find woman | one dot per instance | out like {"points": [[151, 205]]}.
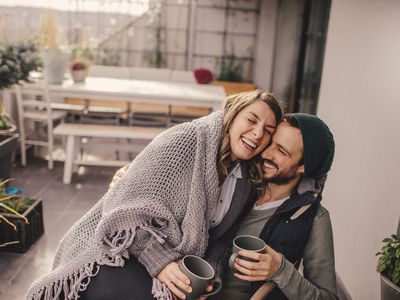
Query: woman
{"points": [[166, 202]]}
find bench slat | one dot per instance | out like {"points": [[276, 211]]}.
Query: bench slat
{"points": [[109, 131]]}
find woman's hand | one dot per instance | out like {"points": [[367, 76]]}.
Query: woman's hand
{"points": [[263, 269], [173, 278], [118, 175]]}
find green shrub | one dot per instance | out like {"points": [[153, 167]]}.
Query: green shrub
{"points": [[389, 259]]}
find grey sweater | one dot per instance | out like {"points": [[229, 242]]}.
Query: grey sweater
{"points": [[158, 212], [319, 280]]}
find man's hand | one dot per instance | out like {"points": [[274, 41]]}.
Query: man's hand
{"points": [[264, 268], [208, 290], [118, 175], [173, 278]]}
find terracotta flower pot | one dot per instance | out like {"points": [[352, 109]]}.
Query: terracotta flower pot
{"points": [[79, 75]]}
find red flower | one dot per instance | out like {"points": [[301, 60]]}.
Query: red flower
{"points": [[78, 66], [203, 75]]}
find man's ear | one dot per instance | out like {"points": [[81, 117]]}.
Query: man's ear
{"points": [[300, 170]]}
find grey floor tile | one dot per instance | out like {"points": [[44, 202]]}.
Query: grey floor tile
{"points": [[63, 205]]}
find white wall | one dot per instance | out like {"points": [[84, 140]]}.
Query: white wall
{"points": [[265, 45], [360, 100]]}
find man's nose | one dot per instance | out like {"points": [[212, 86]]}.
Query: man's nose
{"points": [[267, 153]]}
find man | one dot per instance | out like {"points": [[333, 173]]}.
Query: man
{"points": [[287, 215]]}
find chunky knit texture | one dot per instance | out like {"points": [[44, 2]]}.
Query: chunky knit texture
{"points": [[157, 211]]}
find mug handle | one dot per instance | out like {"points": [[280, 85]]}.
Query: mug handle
{"points": [[217, 286], [232, 260]]}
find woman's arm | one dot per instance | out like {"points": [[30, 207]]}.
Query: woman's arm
{"points": [[117, 176]]}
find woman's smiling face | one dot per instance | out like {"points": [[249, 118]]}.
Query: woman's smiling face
{"points": [[251, 130]]}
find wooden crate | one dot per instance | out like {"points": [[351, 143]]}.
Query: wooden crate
{"points": [[26, 234]]}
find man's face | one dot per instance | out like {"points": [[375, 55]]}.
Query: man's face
{"points": [[281, 159]]}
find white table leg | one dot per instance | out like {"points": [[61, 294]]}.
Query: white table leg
{"points": [[69, 159]]}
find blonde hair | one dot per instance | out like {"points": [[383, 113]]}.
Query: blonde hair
{"points": [[232, 106]]}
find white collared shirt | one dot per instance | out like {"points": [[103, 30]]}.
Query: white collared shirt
{"points": [[225, 196]]}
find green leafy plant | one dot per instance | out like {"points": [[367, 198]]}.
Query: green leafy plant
{"points": [[14, 205], [389, 259], [231, 69], [80, 51], [17, 60]]}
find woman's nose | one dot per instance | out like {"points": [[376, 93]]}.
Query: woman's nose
{"points": [[258, 131]]}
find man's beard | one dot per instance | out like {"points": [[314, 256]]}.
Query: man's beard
{"points": [[282, 178]]}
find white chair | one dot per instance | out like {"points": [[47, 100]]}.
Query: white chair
{"points": [[34, 107]]}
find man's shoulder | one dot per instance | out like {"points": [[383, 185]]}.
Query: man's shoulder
{"points": [[322, 213]]}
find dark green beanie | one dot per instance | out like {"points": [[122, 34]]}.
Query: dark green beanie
{"points": [[318, 143]]}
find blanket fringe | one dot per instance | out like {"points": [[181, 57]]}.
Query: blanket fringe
{"points": [[118, 244], [160, 290], [158, 235], [70, 286]]}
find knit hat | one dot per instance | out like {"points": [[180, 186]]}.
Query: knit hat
{"points": [[318, 144]]}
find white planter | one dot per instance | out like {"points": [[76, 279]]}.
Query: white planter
{"points": [[79, 75], [54, 66]]}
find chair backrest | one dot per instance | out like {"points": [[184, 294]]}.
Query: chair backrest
{"points": [[35, 96], [110, 71], [32, 99], [182, 76], [151, 74]]}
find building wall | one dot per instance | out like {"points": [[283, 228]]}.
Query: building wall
{"points": [[359, 99], [265, 44], [278, 77]]}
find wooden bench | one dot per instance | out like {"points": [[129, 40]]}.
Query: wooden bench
{"points": [[74, 133]]}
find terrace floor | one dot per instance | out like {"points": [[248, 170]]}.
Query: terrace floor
{"points": [[62, 206]]}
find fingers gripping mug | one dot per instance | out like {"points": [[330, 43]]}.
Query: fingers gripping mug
{"points": [[248, 243], [201, 274]]}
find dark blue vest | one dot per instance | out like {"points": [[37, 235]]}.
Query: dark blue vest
{"points": [[287, 236]]}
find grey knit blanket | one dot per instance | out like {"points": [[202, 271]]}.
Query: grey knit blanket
{"points": [[157, 211]]}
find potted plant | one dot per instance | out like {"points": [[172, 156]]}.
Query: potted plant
{"points": [[230, 76], [17, 60], [21, 221], [389, 267], [79, 68], [55, 60]]}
